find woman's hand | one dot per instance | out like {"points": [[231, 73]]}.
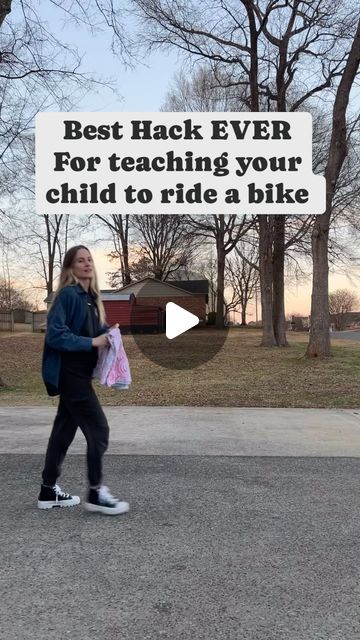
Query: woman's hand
{"points": [[100, 341], [115, 326]]}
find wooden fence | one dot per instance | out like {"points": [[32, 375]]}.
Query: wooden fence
{"points": [[6, 321], [39, 321], [9, 321]]}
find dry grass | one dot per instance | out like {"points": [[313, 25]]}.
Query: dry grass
{"points": [[242, 374]]}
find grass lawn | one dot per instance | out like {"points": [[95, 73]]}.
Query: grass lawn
{"points": [[242, 374]]}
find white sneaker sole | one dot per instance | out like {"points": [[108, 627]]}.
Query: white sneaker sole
{"points": [[121, 507], [49, 504]]}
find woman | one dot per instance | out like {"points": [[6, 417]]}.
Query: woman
{"points": [[75, 329]]}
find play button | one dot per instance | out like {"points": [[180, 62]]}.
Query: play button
{"points": [[156, 321], [178, 320]]}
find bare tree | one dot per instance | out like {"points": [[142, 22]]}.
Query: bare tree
{"points": [[43, 238], [202, 92], [39, 244], [39, 71], [207, 267], [12, 297], [266, 50], [261, 48], [319, 343], [47, 243], [341, 302], [243, 275], [140, 265], [119, 226], [166, 242], [344, 220], [226, 231]]}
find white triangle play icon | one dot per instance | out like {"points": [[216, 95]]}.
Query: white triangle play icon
{"points": [[178, 320]]}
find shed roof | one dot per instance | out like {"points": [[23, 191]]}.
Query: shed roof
{"points": [[114, 295], [193, 286], [153, 287], [150, 287]]}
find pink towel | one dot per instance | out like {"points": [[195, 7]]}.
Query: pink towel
{"points": [[112, 369]]}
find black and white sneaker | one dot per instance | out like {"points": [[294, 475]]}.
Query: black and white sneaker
{"points": [[101, 501], [50, 497]]}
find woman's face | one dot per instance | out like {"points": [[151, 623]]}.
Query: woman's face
{"points": [[83, 266]]}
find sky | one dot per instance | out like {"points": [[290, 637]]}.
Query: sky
{"points": [[140, 89], [143, 89]]}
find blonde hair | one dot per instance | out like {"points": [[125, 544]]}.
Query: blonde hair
{"points": [[67, 278]]}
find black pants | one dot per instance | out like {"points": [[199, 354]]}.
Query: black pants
{"points": [[78, 407]]}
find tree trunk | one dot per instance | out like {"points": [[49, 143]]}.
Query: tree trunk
{"points": [[266, 280], [278, 282], [243, 316], [220, 323], [126, 274], [5, 9], [124, 238], [319, 343], [50, 280]]}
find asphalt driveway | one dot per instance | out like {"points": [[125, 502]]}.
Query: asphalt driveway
{"points": [[346, 335], [215, 546]]}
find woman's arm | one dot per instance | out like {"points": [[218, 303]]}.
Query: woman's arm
{"points": [[58, 335]]}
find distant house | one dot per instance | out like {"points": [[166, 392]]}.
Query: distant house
{"points": [[141, 305], [300, 323], [348, 320], [192, 295], [22, 316]]}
